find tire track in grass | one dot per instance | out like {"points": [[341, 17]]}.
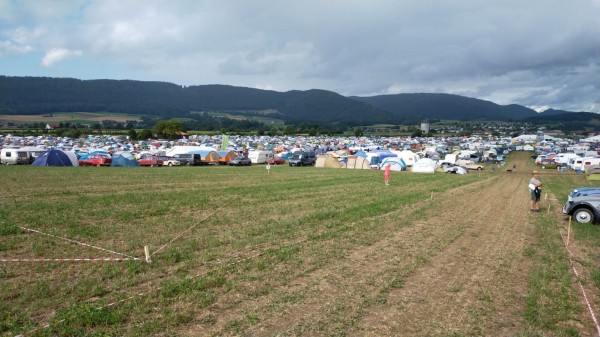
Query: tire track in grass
{"points": [[476, 285], [422, 239]]}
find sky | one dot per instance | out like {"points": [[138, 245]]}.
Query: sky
{"points": [[537, 53]]}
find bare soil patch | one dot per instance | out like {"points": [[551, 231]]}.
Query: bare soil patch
{"points": [[454, 264]]}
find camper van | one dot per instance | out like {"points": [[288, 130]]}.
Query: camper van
{"points": [[260, 157], [563, 158], [589, 161], [581, 162], [13, 156]]}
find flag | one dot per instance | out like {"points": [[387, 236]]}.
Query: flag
{"points": [[224, 142]]}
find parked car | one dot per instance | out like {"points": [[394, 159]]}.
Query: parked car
{"points": [[169, 161], [584, 205], [150, 160], [188, 159], [549, 164], [448, 167], [96, 160], [469, 165], [276, 161], [240, 161], [303, 159]]}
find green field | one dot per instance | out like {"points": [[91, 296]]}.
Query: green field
{"points": [[301, 251], [265, 119], [71, 117]]}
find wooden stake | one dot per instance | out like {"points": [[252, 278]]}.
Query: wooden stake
{"points": [[147, 252], [569, 232], [431, 195], [546, 196], [548, 208]]}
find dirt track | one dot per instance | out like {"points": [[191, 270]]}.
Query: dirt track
{"points": [[453, 265]]}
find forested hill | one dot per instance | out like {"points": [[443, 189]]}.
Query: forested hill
{"points": [[446, 106], [39, 95]]}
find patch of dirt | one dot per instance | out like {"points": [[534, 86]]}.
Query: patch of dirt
{"points": [[477, 284], [455, 264]]}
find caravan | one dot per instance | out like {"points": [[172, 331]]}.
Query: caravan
{"points": [[260, 156], [14, 156]]}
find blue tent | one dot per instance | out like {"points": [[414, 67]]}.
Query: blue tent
{"points": [[124, 159], [396, 164], [384, 154], [361, 154], [55, 157]]}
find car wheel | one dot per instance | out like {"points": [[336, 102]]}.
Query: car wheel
{"points": [[170, 164], [479, 169], [98, 165], [152, 165], [583, 215], [187, 164]]}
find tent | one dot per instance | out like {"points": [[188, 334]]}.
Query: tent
{"points": [[362, 154], [424, 165], [593, 172], [328, 161], [358, 163], [409, 157], [56, 157], [384, 154], [124, 159], [207, 157], [226, 156], [396, 164], [461, 170]]}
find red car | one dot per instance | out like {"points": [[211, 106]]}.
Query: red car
{"points": [[96, 160], [276, 161], [150, 161]]}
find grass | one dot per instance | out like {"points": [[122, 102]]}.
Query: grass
{"points": [[268, 121], [71, 117], [271, 232], [126, 209], [552, 302]]}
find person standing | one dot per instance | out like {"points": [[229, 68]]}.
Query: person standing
{"points": [[536, 191], [386, 174]]}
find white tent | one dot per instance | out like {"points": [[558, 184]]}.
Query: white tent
{"points": [[359, 163], [395, 164], [409, 157], [424, 165]]}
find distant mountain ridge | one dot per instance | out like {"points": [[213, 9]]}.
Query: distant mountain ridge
{"points": [[40, 95], [446, 106]]}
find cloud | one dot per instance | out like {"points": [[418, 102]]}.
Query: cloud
{"points": [[55, 55], [8, 48], [535, 53]]}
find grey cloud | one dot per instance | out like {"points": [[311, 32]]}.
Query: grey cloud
{"points": [[540, 52]]}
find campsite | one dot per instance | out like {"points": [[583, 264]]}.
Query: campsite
{"points": [[292, 251]]}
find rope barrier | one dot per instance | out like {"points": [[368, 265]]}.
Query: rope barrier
{"points": [[78, 242], [587, 302], [236, 260], [585, 298], [110, 259], [187, 230]]}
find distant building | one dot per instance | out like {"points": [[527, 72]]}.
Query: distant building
{"points": [[425, 127]]}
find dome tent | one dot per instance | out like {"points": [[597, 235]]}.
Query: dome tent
{"points": [[124, 159], [424, 165], [56, 157], [396, 164]]}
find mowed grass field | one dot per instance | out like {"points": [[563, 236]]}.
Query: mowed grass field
{"points": [[301, 251], [71, 117]]}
